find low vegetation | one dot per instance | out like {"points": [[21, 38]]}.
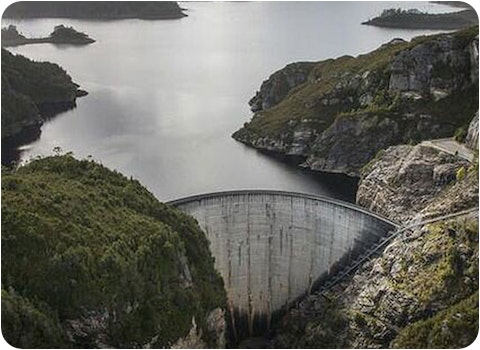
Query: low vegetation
{"points": [[349, 108], [337, 79], [455, 327]]}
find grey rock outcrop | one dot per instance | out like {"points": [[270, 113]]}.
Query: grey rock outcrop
{"points": [[278, 85], [436, 67], [403, 179], [472, 134], [351, 142], [419, 274], [216, 329]]}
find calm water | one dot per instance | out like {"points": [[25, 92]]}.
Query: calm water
{"points": [[165, 96]]}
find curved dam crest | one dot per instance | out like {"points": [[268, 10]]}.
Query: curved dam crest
{"points": [[272, 247]]}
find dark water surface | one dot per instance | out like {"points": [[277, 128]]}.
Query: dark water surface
{"points": [[165, 96]]}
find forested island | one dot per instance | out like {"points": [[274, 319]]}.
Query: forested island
{"points": [[61, 35], [31, 93], [415, 19], [95, 9]]}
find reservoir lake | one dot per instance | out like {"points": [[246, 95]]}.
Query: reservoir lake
{"points": [[165, 96]]}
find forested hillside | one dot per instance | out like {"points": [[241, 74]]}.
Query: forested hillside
{"points": [[92, 259]]}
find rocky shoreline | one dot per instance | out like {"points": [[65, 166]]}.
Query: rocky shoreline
{"points": [[340, 112]]}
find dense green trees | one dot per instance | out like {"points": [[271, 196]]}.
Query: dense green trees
{"points": [[83, 245], [30, 88]]}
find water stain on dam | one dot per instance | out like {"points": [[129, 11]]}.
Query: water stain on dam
{"points": [[273, 247]]}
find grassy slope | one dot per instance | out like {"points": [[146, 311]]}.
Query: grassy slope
{"points": [[80, 239]]}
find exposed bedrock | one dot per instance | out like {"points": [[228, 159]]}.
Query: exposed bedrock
{"points": [[403, 179], [472, 134], [277, 86], [422, 290]]}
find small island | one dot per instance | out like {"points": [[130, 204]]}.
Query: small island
{"points": [[61, 35], [415, 19]]}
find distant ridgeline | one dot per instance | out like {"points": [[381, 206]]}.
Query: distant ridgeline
{"points": [[32, 92], [90, 259], [415, 19], [60, 35], [95, 9], [338, 113]]}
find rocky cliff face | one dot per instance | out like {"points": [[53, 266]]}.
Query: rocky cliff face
{"points": [[215, 333], [435, 68], [422, 290], [403, 179], [348, 109], [279, 84]]}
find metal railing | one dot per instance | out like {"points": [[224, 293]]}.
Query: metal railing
{"points": [[383, 242]]}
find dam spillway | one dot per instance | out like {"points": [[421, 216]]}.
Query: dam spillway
{"points": [[272, 247]]}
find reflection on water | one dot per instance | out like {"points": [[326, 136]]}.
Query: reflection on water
{"points": [[165, 96]]}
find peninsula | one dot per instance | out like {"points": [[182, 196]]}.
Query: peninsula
{"points": [[32, 92], [338, 113], [60, 35], [108, 10]]}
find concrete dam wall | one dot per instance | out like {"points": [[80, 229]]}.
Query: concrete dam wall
{"points": [[272, 247]]}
